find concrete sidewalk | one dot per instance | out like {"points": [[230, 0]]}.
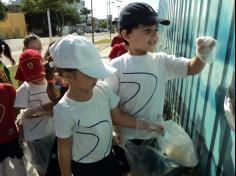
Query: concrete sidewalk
{"points": [[103, 49], [16, 46]]}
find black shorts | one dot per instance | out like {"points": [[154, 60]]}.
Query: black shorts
{"points": [[107, 167], [10, 149]]}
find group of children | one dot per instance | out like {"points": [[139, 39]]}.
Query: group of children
{"points": [[128, 93]]}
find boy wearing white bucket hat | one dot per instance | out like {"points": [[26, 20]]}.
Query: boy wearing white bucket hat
{"points": [[84, 116]]}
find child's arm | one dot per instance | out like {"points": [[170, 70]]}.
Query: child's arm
{"points": [[38, 111], [64, 155], [195, 66], [204, 49], [124, 120]]}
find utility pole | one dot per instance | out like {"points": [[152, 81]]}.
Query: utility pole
{"points": [[107, 14], [92, 21], [118, 11], [49, 25], [110, 18]]}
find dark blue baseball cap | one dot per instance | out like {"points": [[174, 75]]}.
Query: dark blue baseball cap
{"points": [[140, 13]]}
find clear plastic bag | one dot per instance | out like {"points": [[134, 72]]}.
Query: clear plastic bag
{"points": [[147, 160], [38, 152], [177, 145]]}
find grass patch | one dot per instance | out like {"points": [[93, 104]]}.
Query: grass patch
{"points": [[104, 41], [12, 70]]}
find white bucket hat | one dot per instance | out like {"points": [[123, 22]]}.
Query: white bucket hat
{"points": [[77, 52]]}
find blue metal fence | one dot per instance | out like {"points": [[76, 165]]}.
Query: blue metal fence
{"points": [[199, 100]]}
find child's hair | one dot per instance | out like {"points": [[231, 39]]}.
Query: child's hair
{"points": [[28, 39], [51, 89], [130, 27], [136, 14], [61, 70], [47, 56], [5, 49]]}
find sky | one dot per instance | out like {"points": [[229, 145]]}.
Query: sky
{"points": [[100, 6]]}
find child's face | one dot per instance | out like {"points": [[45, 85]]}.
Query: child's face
{"points": [[35, 44], [142, 39], [79, 81]]}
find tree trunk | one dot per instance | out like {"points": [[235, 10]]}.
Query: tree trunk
{"points": [[62, 22]]}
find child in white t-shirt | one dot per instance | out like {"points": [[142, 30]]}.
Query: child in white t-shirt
{"points": [[38, 132], [141, 77], [84, 116]]}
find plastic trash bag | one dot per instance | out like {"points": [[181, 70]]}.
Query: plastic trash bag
{"points": [[147, 160], [177, 145], [38, 152], [229, 104]]}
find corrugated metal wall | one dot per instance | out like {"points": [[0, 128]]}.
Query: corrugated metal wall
{"points": [[199, 100]]}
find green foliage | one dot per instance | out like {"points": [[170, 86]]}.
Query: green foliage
{"points": [[3, 11], [38, 6], [85, 11], [103, 24], [104, 41], [71, 16], [61, 14]]}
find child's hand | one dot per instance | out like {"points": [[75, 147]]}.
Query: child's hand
{"points": [[205, 49], [152, 126], [117, 138], [33, 112]]}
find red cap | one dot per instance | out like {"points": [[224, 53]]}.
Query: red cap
{"points": [[31, 64]]}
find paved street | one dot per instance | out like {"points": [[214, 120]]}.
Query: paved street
{"points": [[16, 45]]}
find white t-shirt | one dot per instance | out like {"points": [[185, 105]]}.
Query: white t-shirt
{"points": [[89, 123], [29, 96], [140, 84]]}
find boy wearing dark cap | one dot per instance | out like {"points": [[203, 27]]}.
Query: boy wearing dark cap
{"points": [[141, 77]]}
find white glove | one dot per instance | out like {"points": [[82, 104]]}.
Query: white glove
{"points": [[154, 127], [205, 49], [33, 112]]}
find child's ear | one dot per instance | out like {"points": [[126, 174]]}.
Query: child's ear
{"points": [[124, 34]]}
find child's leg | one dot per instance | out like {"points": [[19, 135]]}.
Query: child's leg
{"points": [[19, 166], [106, 167], [53, 168], [2, 168], [40, 153]]}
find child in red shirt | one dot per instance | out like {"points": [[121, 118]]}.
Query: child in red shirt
{"points": [[9, 145], [118, 50], [117, 39]]}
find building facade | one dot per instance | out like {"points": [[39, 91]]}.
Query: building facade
{"points": [[13, 27]]}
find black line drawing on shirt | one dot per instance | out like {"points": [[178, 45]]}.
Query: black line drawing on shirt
{"points": [[140, 88], [97, 137]]}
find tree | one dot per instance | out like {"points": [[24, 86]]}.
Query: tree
{"points": [[85, 12], [103, 24], [59, 9], [3, 11]]}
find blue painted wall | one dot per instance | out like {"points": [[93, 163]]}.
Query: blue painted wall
{"points": [[199, 100]]}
